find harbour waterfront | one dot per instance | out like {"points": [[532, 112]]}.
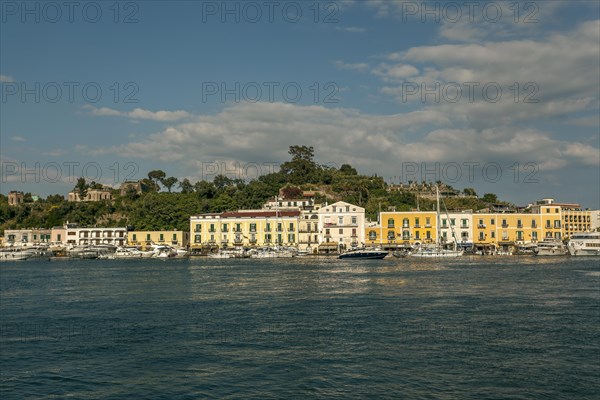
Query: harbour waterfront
{"points": [[466, 328]]}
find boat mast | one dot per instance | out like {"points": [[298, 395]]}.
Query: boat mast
{"points": [[437, 216]]}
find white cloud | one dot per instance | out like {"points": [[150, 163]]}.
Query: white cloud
{"points": [[140, 113], [6, 79], [351, 29], [361, 67], [18, 139], [262, 132]]}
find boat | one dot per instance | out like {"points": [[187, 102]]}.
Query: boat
{"points": [[14, 255], [584, 244], [550, 247], [363, 254], [437, 251]]}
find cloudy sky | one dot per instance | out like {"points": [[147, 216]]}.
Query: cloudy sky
{"points": [[499, 96]]}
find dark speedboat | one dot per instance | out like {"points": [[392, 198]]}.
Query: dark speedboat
{"points": [[364, 254]]}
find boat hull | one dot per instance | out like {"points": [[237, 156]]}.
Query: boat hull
{"points": [[368, 255]]}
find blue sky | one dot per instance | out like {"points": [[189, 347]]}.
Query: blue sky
{"points": [[503, 103]]}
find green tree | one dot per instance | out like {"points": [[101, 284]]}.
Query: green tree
{"points": [[156, 176], [302, 168], [205, 190], [348, 170], [186, 186], [469, 192], [169, 182], [490, 198], [81, 188]]}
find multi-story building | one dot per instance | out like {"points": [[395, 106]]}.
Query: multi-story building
{"points": [[407, 228], [246, 228], [27, 237], [561, 220], [308, 229], [341, 225], [146, 239], [457, 227], [81, 236], [505, 230]]}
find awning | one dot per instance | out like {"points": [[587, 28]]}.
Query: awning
{"points": [[329, 244]]}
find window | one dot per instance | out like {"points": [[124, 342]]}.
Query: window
{"points": [[391, 235], [416, 222], [405, 223], [238, 227], [354, 221], [224, 228], [428, 234], [333, 208], [279, 227], [481, 236], [133, 237], [519, 235], [161, 238], [353, 232], [347, 208], [268, 238], [504, 224], [405, 235], [372, 235], [59, 238], [174, 237], [268, 227], [341, 231], [197, 228], [147, 236], [417, 235], [464, 222], [253, 227], [428, 221], [390, 222], [493, 235], [444, 223], [493, 221], [453, 221], [533, 224], [557, 224], [291, 238], [340, 220], [197, 238], [212, 228], [291, 226]]}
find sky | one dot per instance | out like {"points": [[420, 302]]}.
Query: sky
{"points": [[502, 97]]}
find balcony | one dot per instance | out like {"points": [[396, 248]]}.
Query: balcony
{"points": [[520, 226], [505, 225], [481, 226], [417, 225]]}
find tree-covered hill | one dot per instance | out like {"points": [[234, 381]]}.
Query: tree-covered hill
{"points": [[154, 209]]}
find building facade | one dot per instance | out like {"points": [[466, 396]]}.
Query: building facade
{"points": [[26, 237], [341, 225], [146, 239], [91, 195], [249, 228]]}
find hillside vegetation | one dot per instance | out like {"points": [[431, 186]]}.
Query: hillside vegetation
{"points": [[160, 210]]}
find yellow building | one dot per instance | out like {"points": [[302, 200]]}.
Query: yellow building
{"points": [[403, 228], [506, 230], [145, 239], [247, 228]]}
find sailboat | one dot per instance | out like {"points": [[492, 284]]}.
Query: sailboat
{"points": [[437, 251]]}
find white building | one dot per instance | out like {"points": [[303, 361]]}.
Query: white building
{"points": [[341, 225], [457, 225], [93, 236]]}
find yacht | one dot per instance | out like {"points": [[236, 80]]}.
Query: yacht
{"points": [[14, 255], [584, 244], [363, 254], [550, 247], [437, 251]]}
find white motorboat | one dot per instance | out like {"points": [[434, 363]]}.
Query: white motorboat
{"points": [[14, 255], [550, 247]]}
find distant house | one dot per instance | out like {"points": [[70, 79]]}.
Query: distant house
{"points": [[129, 185], [15, 198], [92, 195]]}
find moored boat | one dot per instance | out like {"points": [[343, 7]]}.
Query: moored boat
{"points": [[363, 254], [584, 244], [550, 247]]}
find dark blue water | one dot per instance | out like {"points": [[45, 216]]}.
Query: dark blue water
{"points": [[503, 328]]}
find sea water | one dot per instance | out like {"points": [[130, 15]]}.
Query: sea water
{"points": [[470, 328]]}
